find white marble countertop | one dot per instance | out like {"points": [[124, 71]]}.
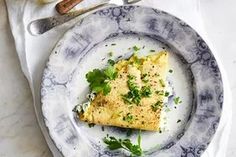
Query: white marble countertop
{"points": [[19, 132]]}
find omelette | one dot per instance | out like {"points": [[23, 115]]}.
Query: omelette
{"points": [[134, 97]]}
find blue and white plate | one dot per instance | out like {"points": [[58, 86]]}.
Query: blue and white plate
{"points": [[187, 128]]}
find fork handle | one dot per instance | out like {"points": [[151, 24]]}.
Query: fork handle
{"points": [[66, 5]]}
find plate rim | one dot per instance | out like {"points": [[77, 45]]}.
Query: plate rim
{"points": [[63, 37]]}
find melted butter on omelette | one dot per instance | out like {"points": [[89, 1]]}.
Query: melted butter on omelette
{"points": [[120, 107]]}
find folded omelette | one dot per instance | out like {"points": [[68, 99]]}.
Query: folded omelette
{"points": [[136, 95]]}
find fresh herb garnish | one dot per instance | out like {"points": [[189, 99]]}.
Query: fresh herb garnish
{"points": [[134, 95], [135, 48], [167, 94], [144, 78], [167, 110], [146, 91], [129, 132], [170, 71], [159, 92], [91, 125], [137, 60], [156, 106], [162, 83], [111, 62], [99, 79], [128, 118], [178, 121], [110, 54], [177, 100], [113, 144], [110, 72], [113, 44], [152, 51]]}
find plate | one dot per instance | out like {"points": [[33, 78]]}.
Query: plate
{"points": [[187, 128]]}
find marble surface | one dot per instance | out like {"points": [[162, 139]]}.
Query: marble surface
{"points": [[19, 132]]}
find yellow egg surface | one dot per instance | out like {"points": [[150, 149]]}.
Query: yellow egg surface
{"points": [[118, 109]]}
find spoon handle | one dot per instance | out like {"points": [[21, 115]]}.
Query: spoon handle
{"points": [[41, 26], [66, 5]]}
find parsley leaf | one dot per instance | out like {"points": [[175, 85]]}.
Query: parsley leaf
{"points": [[146, 91], [113, 144], [178, 121], [177, 100], [152, 51], [135, 48], [111, 62], [110, 72], [128, 118], [110, 54], [162, 83], [167, 94], [156, 106], [91, 125], [135, 94], [99, 79], [129, 132]]}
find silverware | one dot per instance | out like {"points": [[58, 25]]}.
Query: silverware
{"points": [[41, 26]]}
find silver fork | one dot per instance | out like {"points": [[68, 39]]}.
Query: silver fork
{"points": [[41, 26]]}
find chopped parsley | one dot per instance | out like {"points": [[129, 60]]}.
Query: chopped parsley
{"points": [[144, 78], [170, 71], [156, 106], [135, 48], [91, 125], [152, 51], [162, 83], [135, 94], [146, 91], [178, 121], [128, 118], [110, 54], [167, 110], [159, 92], [113, 44], [177, 100], [132, 96], [111, 62], [137, 60], [167, 94], [114, 144], [131, 77], [129, 132], [110, 72], [99, 79]]}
